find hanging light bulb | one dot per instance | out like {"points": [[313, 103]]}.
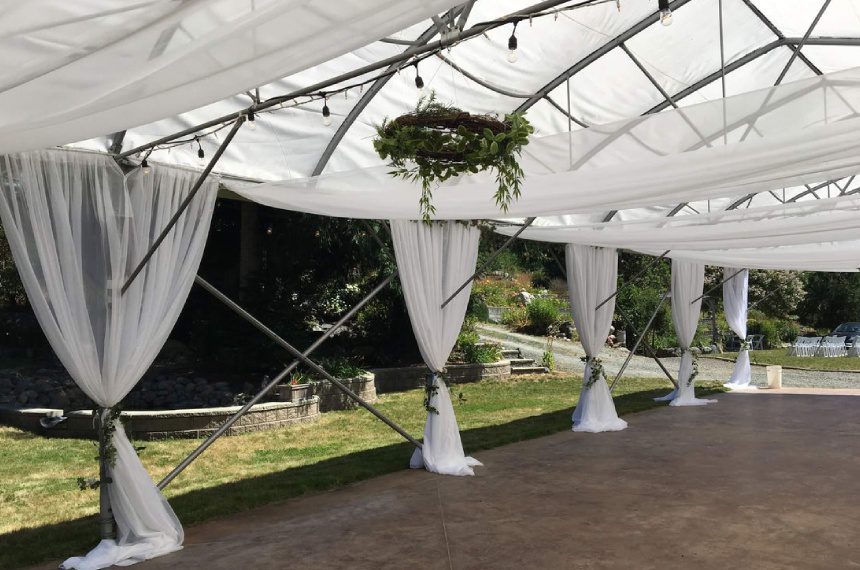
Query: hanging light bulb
{"points": [[252, 121], [665, 12], [419, 82], [512, 45], [326, 113], [145, 167], [200, 154]]}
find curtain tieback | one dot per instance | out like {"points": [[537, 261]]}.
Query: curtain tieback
{"points": [[694, 361], [596, 371], [430, 389]]}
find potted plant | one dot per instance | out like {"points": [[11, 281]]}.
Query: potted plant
{"points": [[296, 390]]}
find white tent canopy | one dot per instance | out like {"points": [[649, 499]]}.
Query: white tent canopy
{"points": [[740, 104], [799, 223], [801, 132], [74, 70], [572, 60]]}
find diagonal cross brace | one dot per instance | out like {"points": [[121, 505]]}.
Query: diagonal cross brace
{"points": [[301, 357], [184, 205]]}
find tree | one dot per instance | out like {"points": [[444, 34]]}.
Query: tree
{"points": [[776, 293], [831, 298]]}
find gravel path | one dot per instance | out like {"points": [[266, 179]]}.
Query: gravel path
{"points": [[567, 355]]}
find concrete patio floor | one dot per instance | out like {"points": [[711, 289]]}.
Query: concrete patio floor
{"points": [[754, 481]]}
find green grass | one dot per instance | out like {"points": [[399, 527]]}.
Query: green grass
{"points": [[779, 356], [44, 516]]}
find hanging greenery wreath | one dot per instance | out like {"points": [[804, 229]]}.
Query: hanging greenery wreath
{"points": [[437, 142]]}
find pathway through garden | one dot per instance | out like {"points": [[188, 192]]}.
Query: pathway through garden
{"points": [[567, 355]]}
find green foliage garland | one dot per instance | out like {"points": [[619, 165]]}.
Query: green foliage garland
{"points": [[430, 389], [437, 142], [695, 369], [597, 372], [106, 427]]}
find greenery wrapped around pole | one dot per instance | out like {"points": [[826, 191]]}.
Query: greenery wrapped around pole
{"points": [[437, 142]]}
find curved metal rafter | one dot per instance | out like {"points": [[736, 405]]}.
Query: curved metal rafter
{"points": [[796, 54], [367, 97], [595, 55], [456, 17], [618, 42], [507, 93]]}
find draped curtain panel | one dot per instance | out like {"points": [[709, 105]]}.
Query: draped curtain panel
{"points": [[77, 227], [592, 274], [688, 280], [433, 260], [735, 292], [798, 223]]}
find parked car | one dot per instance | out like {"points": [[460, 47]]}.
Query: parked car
{"points": [[850, 331]]}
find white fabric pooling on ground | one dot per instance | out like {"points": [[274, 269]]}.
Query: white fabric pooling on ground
{"points": [[433, 261], [735, 293], [591, 276], [77, 227]]}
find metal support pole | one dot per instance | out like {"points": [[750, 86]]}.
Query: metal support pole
{"points": [[301, 357], [754, 305], [802, 41], [635, 277], [640, 338], [726, 280], [106, 521], [487, 263], [626, 319], [184, 205]]}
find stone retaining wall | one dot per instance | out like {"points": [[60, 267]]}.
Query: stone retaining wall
{"points": [[331, 398], [411, 377], [148, 425]]}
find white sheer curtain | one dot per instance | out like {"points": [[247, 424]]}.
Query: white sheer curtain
{"points": [[77, 227], [433, 261], [735, 291], [688, 280], [592, 274]]}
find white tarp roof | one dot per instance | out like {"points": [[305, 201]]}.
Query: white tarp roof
{"points": [[573, 60], [76, 69], [800, 132]]}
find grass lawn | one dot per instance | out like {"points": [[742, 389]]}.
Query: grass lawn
{"points": [[44, 516], [779, 356]]}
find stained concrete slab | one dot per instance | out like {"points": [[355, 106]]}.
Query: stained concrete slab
{"points": [[754, 482]]}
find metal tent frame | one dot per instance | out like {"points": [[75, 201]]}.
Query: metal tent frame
{"points": [[451, 27]]}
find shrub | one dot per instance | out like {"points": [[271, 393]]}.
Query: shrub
{"points": [[548, 360], [341, 367], [515, 317], [471, 350], [478, 308], [482, 353], [501, 292], [543, 312], [788, 330], [768, 329]]}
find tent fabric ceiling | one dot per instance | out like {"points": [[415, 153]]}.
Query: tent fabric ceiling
{"points": [[840, 256], [682, 60], [73, 70], [802, 131]]}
